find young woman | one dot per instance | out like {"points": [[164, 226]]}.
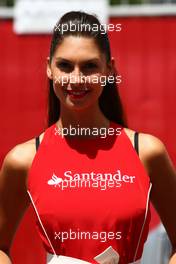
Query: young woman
{"points": [[90, 191]]}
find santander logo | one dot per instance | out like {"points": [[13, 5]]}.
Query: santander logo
{"points": [[103, 181], [55, 180]]}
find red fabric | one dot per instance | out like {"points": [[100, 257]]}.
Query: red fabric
{"points": [[94, 207], [145, 55]]}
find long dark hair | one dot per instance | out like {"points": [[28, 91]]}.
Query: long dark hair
{"points": [[109, 101]]}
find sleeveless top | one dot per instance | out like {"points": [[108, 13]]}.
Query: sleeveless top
{"points": [[90, 194]]}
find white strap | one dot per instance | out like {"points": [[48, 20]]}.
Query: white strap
{"points": [[41, 223], [146, 212]]}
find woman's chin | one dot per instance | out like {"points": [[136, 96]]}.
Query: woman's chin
{"points": [[77, 106]]}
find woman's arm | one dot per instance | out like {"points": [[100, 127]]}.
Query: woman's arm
{"points": [[13, 199], [4, 258], [163, 177], [173, 259]]}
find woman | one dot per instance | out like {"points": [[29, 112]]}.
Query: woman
{"points": [[90, 190]]}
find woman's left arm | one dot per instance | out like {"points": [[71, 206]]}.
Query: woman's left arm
{"points": [[163, 177], [173, 259]]}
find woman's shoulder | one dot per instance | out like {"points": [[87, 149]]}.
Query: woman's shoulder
{"points": [[20, 157], [150, 146]]}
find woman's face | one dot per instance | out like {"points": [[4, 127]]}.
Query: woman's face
{"points": [[77, 68]]}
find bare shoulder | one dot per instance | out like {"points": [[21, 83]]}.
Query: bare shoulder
{"points": [[150, 146], [19, 159], [13, 190]]}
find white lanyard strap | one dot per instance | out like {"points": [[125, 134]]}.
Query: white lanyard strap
{"points": [[145, 218], [41, 223]]}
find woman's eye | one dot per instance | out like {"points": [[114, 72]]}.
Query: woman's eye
{"points": [[90, 66], [63, 65]]}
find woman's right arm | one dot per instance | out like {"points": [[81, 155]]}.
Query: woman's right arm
{"points": [[14, 199], [4, 258]]}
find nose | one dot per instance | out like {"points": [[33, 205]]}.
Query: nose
{"points": [[76, 77]]}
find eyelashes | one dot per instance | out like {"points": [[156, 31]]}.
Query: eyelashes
{"points": [[65, 66], [91, 65]]}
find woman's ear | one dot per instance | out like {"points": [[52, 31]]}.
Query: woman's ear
{"points": [[48, 69], [111, 67], [114, 70]]}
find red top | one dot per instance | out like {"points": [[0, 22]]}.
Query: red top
{"points": [[90, 194]]}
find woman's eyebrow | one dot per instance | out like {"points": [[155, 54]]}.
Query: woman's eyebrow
{"points": [[92, 60], [62, 59]]}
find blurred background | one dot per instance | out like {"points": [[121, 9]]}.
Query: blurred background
{"points": [[145, 56]]}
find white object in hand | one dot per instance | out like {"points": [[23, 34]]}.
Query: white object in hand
{"points": [[51, 259], [108, 256]]}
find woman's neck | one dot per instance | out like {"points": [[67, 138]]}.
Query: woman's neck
{"points": [[88, 118]]}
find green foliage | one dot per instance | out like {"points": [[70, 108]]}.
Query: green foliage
{"points": [[114, 2], [131, 2], [7, 3]]}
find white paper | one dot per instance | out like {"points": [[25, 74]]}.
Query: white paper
{"points": [[108, 256], [51, 259]]}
